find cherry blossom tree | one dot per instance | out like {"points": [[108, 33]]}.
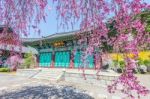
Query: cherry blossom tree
{"points": [[93, 15], [19, 16], [14, 61], [16, 19], [131, 32]]}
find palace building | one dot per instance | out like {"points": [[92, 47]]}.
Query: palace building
{"points": [[60, 50]]}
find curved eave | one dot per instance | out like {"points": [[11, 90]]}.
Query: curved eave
{"points": [[50, 39]]}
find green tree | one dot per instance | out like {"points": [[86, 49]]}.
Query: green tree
{"points": [[29, 60], [145, 17]]}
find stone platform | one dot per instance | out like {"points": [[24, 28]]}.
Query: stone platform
{"points": [[70, 75]]}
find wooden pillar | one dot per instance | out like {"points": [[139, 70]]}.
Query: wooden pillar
{"points": [[98, 60], [37, 60], [71, 59], [53, 60]]}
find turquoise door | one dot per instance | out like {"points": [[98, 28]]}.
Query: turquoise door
{"points": [[78, 60], [90, 60], [45, 59], [62, 59]]}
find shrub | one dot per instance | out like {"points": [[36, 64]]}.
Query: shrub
{"points": [[143, 69], [4, 69], [121, 64], [140, 62], [146, 62], [116, 62], [119, 70], [13, 61], [29, 61]]}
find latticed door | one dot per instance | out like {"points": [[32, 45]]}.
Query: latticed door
{"points": [[90, 61], [78, 60], [62, 59], [45, 59]]}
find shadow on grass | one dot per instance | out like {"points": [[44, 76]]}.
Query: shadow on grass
{"points": [[46, 92]]}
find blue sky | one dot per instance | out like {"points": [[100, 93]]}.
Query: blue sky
{"points": [[51, 25]]}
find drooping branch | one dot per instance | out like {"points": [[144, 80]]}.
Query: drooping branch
{"points": [[20, 15], [130, 32]]}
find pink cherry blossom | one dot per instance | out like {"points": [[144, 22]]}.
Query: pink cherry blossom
{"points": [[92, 15], [131, 34]]}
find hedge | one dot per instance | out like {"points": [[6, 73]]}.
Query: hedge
{"points": [[4, 70]]}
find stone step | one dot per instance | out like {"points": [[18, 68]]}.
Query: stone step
{"points": [[45, 78], [48, 75], [27, 72], [42, 75], [75, 76], [52, 70], [103, 80]]}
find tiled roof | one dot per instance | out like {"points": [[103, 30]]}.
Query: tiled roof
{"points": [[56, 35]]}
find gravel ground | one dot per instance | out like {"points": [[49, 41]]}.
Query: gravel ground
{"points": [[14, 87]]}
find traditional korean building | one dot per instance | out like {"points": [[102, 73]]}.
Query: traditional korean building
{"points": [[60, 50]]}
